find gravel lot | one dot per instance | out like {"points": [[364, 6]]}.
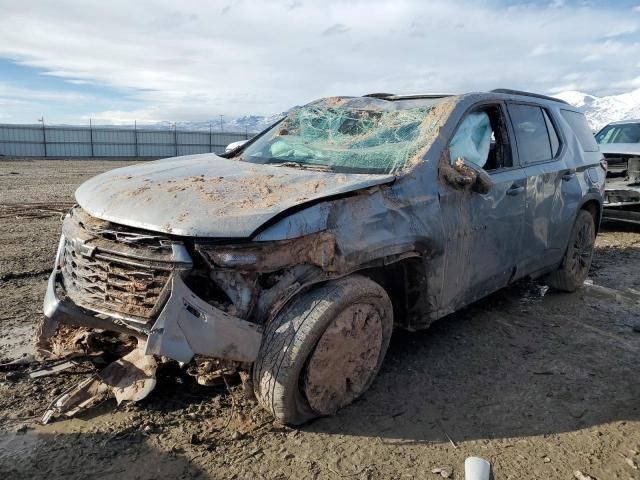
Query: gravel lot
{"points": [[540, 385]]}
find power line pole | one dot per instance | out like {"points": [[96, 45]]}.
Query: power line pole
{"points": [[221, 125]]}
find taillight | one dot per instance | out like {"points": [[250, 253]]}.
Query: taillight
{"points": [[604, 164]]}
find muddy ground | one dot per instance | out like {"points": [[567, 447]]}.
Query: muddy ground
{"points": [[540, 385]]}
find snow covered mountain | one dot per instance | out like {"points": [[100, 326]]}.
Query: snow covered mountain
{"points": [[602, 110], [246, 123], [598, 110]]}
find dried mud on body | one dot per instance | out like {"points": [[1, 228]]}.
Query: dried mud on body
{"points": [[540, 385]]}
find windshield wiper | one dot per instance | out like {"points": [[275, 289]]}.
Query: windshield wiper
{"points": [[305, 166]]}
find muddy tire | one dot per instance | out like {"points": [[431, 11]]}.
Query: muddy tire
{"points": [[575, 265], [323, 350]]}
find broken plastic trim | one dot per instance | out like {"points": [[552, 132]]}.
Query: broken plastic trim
{"points": [[188, 326], [130, 378]]}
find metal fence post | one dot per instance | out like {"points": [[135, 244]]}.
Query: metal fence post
{"points": [[91, 136], [210, 138], [44, 135], [175, 138], [135, 136]]}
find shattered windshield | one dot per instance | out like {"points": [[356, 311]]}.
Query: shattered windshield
{"points": [[349, 135]]}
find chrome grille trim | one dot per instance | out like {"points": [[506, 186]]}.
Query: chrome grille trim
{"points": [[103, 274]]}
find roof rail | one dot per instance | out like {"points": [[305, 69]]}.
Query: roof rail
{"points": [[421, 95], [392, 96], [527, 94], [379, 95]]}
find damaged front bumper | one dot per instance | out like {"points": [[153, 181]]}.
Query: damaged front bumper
{"points": [[622, 202], [185, 326], [622, 189], [188, 326]]}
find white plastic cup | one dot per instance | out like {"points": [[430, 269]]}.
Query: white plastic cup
{"points": [[476, 468]]}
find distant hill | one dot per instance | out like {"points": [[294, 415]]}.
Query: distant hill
{"points": [[248, 123], [602, 110]]}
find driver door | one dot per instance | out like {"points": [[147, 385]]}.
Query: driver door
{"points": [[483, 232]]}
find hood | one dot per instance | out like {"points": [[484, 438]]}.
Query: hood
{"points": [[620, 148], [208, 196]]}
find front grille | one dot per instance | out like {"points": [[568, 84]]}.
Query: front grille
{"points": [[115, 274]]}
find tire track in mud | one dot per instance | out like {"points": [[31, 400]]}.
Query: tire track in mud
{"points": [[5, 277]]}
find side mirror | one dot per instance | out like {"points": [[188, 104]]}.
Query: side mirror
{"points": [[464, 175], [234, 145], [483, 183]]}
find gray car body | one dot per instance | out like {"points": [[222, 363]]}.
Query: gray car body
{"points": [[461, 245]]}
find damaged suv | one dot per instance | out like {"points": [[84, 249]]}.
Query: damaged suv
{"points": [[620, 144], [292, 257]]}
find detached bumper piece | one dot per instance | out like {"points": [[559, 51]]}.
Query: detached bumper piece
{"points": [[130, 378], [188, 325]]}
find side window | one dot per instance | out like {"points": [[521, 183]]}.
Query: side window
{"points": [[580, 127], [482, 139], [532, 137], [605, 135], [553, 135]]}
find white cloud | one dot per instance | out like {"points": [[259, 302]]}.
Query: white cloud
{"points": [[191, 60], [628, 84], [542, 49], [12, 92]]}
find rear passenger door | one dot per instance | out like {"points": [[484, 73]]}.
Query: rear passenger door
{"points": [[541, 150]]}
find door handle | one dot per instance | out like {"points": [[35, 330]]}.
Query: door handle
{"points": [[515, 189], [569, 174]]}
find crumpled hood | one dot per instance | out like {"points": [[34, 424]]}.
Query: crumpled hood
{"points": [[208, 196], [620, 148]]}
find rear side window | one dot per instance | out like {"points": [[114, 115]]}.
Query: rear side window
{"points": [[553, 135], [532, 136], [580, 127]]}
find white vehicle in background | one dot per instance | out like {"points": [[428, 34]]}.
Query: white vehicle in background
{"points": [[620, 144]]}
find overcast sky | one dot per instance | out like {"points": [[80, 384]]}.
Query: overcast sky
{"points": [[120, 61]]}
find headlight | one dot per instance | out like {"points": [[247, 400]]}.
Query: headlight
{"points": [[317, 249], [233, 259]]}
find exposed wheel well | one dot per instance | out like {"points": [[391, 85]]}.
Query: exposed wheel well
{"points": [[593, 207], [405, 283]]}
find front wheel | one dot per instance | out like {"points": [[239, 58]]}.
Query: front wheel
{"points": [[575, 265], [323, 350]]}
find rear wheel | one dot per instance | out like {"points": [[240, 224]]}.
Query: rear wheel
{"points": [[575, 265], [323, 350]]}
